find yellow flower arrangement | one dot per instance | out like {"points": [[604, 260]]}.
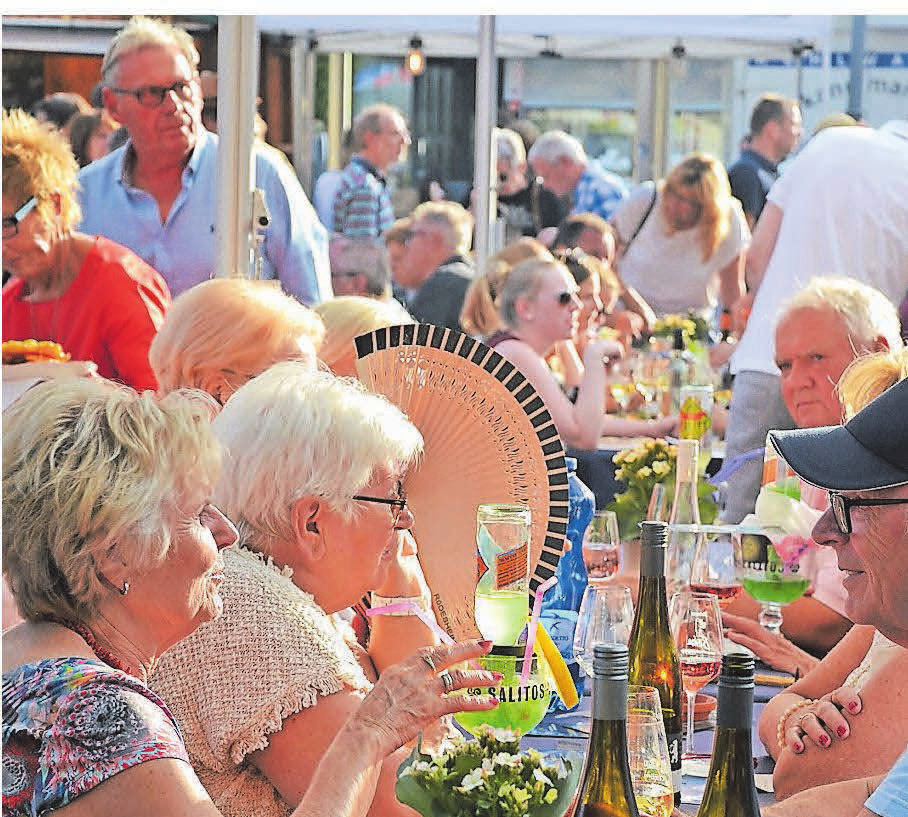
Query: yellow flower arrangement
{"points": [[640, 468]]}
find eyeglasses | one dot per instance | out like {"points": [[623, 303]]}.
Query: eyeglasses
{"points": [[398, 504], [11, 223], [842, 505], [151, 96]]}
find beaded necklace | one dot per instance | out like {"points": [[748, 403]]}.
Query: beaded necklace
{"points": [[104, 654]]}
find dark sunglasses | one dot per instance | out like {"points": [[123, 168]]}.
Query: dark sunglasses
{"points": [[842, 505], [11, 223], [151, 96], [564, 298]]}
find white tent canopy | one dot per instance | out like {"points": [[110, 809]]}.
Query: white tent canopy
{"points": [[587, 36]]}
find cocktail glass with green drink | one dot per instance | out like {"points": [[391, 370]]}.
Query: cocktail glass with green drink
{"points": [[502, 591], [521, 707], [769, 578]]}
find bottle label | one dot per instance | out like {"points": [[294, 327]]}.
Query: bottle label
{"points": [[511, 566], [674, 756]]}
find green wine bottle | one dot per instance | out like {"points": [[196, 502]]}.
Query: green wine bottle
{"points": [[606, 789], [653, 655], [730, 790]]}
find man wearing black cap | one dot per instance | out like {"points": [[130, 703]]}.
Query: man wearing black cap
{"points": [[864, 467]]}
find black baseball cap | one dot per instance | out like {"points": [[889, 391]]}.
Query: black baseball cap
{"points": [[869, 452]]}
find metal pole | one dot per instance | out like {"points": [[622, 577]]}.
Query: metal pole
{"points": [[237, 86], [485, 204], [302, 94], [856, 82]]}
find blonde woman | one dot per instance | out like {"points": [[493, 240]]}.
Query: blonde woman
{"points": [[347, 316], [479, 317], [222, 332], [538, 305], [682, 241]]}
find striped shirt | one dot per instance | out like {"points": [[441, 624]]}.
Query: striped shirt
{"points": [[362, 205]]}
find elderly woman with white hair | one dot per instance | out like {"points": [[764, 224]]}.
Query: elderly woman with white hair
{"points": [[111, 549], [313, 475], [538, 304]]}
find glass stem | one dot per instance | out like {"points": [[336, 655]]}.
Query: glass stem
{"points": [[691, 698], [771, 616]]}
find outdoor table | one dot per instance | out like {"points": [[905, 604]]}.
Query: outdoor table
{"points": [[564, 732]]}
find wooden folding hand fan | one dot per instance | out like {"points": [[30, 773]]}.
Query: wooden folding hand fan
{"points": [[488, 438]]}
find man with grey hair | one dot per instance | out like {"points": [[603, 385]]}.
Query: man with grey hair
{"points": [[362, 203], [525, 206], [157, 194], [775, 128], [561, 162], [437, 268], [360, 266]]}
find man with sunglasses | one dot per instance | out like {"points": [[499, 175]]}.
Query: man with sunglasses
{"points": [[156, 195], [864, 467]]}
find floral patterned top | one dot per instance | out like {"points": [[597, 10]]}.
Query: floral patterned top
{"points": [[69, 724]]}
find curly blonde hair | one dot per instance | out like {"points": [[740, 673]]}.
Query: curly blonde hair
{"points": [[868, 376], [91, 468], [38, 162], [702, 177], [226, 331]]}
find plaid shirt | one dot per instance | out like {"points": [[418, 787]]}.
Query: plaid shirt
{"points": [[599, 192], [362, 205]]}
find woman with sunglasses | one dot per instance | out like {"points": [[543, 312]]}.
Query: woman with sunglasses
{"points": [[94, 297], [313, 475], [682, 240], [538, 304], [848, 716]]}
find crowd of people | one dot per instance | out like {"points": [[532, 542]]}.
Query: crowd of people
{"points": [[190, 532]]}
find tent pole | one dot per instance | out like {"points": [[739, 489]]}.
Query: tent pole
{"points": [[302, 95], [486, 87], [238, 83]]}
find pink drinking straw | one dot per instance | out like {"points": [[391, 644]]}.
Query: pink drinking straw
{"points": [[531, 633]]}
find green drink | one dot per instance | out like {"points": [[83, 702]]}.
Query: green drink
{"points": [[776, 588], [520, 708], [501, 615]]}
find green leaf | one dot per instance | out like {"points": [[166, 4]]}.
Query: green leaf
{"points": [[410, 792], [567, 788]]}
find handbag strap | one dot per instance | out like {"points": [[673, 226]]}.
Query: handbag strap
{"points": [[649, 209]]}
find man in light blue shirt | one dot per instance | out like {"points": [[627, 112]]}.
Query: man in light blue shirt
{"points": [[156, 194], [561, 162]]}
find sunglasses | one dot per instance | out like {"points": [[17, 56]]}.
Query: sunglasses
{"points": [[11, 223], [842, 505], [564, 298]]}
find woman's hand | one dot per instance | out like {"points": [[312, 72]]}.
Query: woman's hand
{"points": [[404, 576], [411, 696], [601, 350], [823, 721], [772, 648], [666, 426]]}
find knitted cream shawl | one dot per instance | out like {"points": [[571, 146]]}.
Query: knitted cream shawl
{"points": [[231, 683]]}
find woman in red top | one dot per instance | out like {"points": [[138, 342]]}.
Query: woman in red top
{"points": [[96, 298]]}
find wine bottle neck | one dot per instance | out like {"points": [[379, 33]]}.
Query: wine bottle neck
{"points": [[610, 699], [735, 707]]}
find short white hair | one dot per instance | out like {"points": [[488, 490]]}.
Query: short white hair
{"points": [[451, 219], [146, 32], [557, 144], [867, 312], [509, 146], [292, 432]]}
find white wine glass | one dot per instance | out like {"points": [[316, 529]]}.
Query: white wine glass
{"points": [[647, 752], [696, 624], [602, 547], [605, 617]]}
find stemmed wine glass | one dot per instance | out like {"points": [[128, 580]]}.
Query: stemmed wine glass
{"points": [[696, 624], [602, 547], [621, 386], [605, 617], [717, 565]]}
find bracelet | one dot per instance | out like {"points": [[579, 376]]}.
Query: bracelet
{"points": [[780, 728], [388, 601]]}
